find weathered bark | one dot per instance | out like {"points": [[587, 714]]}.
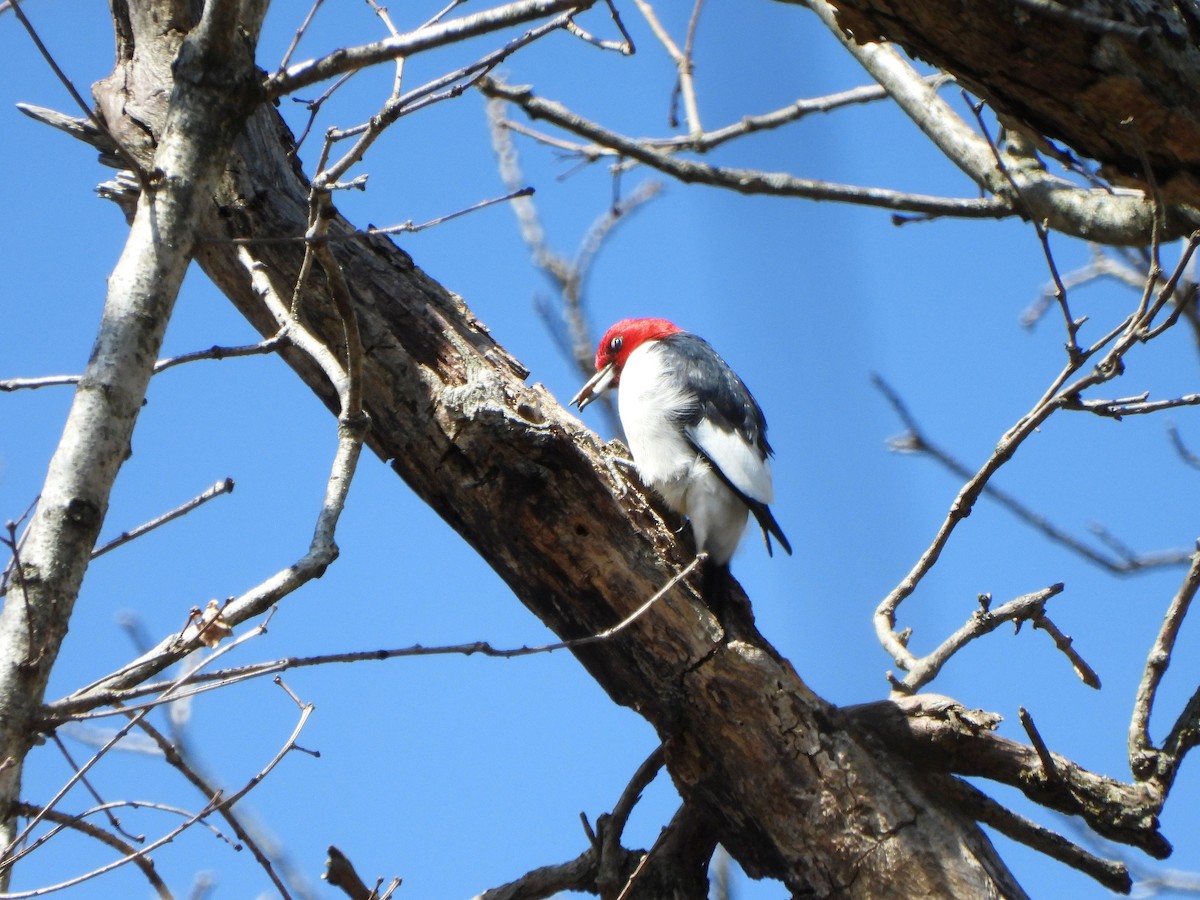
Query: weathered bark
{"points": [[790, 785], [1115, 81], [792, 793]]}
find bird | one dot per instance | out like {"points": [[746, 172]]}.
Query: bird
{"points": [[697, 435]]}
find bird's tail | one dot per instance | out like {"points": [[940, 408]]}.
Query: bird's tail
{"points": [[766, 521]]}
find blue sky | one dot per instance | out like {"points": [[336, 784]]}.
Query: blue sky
{"points": [[461, 773]]}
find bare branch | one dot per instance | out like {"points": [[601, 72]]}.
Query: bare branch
{"points": [[221, 487], [1134, 329], [120, 687], [624, 46], [914, 440], [682, 60], [270, 345], [408, 227], [429, 38], [1030, 607], [178, 760], [1113, 875], [1105, 216], [613, 863], [1145, 760], [1060, 292], [84, 827], [936, 734], [746, 181]]}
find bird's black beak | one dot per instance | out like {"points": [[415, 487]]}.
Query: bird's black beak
{"points": [[596, 385]]}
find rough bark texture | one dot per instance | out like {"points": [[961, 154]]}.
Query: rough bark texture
{"points": [[796, 789], [791, 792], [1115, 81]]}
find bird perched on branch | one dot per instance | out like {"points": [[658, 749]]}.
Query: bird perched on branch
{"points": [[697, 435]]}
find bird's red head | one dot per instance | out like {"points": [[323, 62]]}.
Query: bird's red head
{"points": [[625, 337]]}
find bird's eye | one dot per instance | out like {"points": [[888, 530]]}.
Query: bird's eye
{"points": [[615, 344]]}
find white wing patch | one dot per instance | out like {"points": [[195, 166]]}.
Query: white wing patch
{"points": [[739, 461]]}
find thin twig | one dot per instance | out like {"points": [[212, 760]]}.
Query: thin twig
{"points": [[81, 771], [221, 487], [984, 621], [270, 345], [180, 762], [1111, 874], [1132, 330], [1144, 758], [127, 158], [78, 823], [1060, 291], [353, 58], [611, 852], [77, 705], [746, 181], [404, 228], [914, 440], [682, 60], [1049, 770], [113, 821]]}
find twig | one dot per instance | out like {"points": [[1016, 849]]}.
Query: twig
{"points": [[453, 31], [1060, 292], [79, 824], [1131, 406], [113, 821], [1101, 266], [1177, 442], [113, 689], [270, 345], [15, 543], [445, 87], [1064, 643], [746, 181], [1134, 329], [1113, 875], [984, 621], [681, 58], [1049, 770], [611, 828], [177, 759], [404, 228], [221, 487], [624, 46], [914, 440], [216, 803], [1144, 759], [127, 158], [287, 54], [81, 771]]}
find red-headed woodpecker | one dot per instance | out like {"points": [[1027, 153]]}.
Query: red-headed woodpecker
{"points": [[697, 435]]}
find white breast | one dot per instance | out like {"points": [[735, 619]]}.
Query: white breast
{"points": [[649, 403]]}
